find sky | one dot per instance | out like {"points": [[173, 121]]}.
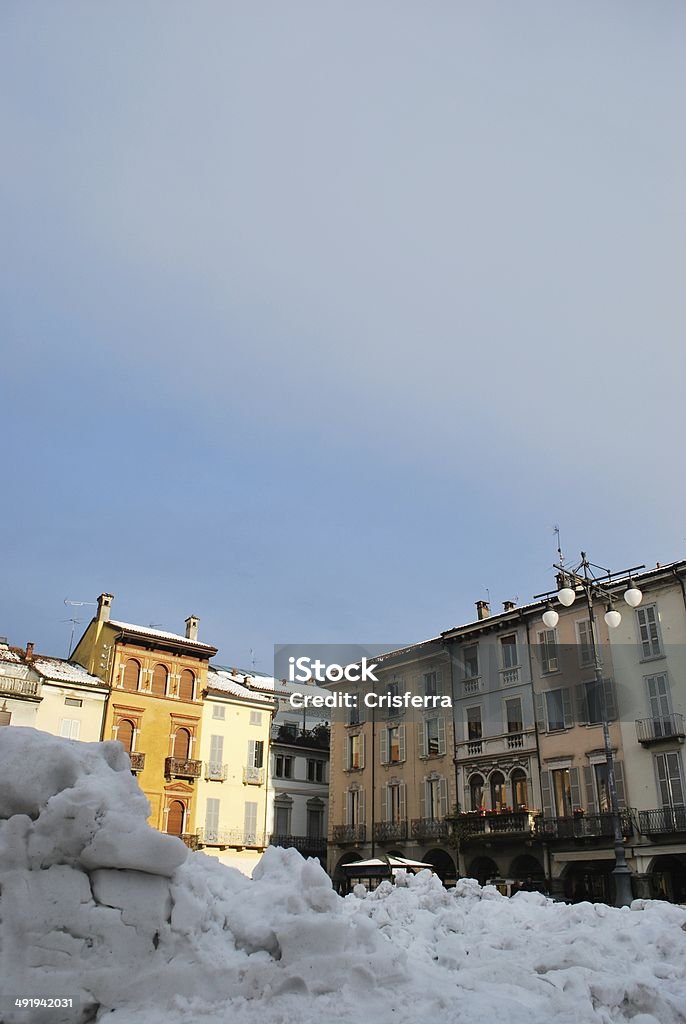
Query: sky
{"points": [[317, 317]]}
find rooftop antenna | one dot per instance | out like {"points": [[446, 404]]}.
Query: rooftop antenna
{"points": [[74, 621], [253, 660], [560, 556], [74, 624]]}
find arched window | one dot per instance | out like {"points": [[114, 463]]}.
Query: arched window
{"points": [[175, 817], [159, 680], [498, 791], [476, 792], [182, 744], [520, 798], [132, 674], [187, 685], [125, 731]]}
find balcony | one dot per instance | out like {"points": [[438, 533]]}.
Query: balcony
{"points": [[343, 834], [510, 676], [493, 823], [253, 776], [583, 826], [231, 837], [182, 768], [390, 831], [655, 730], [473, 685], [312, 846], [493, 746], [215, 772], [426, 830], [190, 839], [137, 760], [662, 821], [20, 687]]}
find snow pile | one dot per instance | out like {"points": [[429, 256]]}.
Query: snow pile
{"points": [[97, 906]]}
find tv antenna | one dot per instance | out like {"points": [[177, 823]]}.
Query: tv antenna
{"points": [[560, 556], [253, 659], [74, 621]]}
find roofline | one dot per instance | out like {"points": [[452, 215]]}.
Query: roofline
{"points": [[181, 641]]}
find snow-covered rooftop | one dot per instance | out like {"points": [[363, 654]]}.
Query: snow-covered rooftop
{"points": [[160, 634], [8, 653], [218, 679], [60, 671]]}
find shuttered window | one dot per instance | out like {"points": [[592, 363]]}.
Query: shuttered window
{"points": [[175, 818], [648, 631], [186, 685], [250, 822], [182, 744], [211, 819], [125, 733], [159, 680], [70, 728], [255, 753], [132, 674]]}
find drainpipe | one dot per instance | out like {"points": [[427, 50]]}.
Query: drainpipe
{"points": [[546, 850], [373, 720], [681, 582]]}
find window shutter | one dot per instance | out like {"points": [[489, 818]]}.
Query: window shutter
{"points": [[540, 712], [383, 745], [441, 735], [348, 753], [402, 801], [439, 682], [362, 746], [361, 709], [610, 700], [442, 797], [619, 780], [250, 821], [423, 803], [591, 805], [125, 734], [546, 794], [401, 742], [575, 787], [175, 818], [131, 674], [421, 738], [216, 749], [182, 744], [212, 818], [186, 685], [251, 753], [581, 703], [567, 711], [348, 808], [159, 680], [259, 753]]}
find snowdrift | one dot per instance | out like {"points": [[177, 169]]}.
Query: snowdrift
{"points": [[97, 906]]}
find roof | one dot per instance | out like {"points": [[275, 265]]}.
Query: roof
{"points": [[59, 671], [149, 633], [222, 681], [8, 653]]}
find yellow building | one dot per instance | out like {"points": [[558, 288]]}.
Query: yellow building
{"points": [[232, 805], [157, 681]]}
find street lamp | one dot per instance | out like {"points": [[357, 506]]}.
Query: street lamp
{"points": [[583, 578]]}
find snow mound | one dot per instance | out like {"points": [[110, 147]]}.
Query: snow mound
{"points": [[97, 906]]}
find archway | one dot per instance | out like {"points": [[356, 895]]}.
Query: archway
{"points": [[483, 869], [668, 878], [528, 872], [182, 744], [442, 863], [175, 817], [339, 880]]}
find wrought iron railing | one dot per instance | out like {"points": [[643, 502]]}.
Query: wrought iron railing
{"points": [[427, 829], [349, 833], [390, 831], [137, 759], [662, 820], [182, 768], [306, 844], [191, 840], [584, 826]]}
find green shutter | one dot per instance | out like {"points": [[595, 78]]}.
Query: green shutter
{"points": [[546, 795]]}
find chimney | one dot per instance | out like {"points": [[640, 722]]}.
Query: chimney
{"points": [[192, 627], [104, 605], [508, 606], [29, 651], [483, 609]]}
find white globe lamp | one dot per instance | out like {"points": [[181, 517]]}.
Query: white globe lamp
{"points": [[550, 617], [566, 596], [632, 595], [613, 618]]}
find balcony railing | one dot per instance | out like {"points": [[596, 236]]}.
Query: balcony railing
{"points": [[22, 687], [231, 837], [191, 840], [514, 740], [137, 760], [472, 685], [253, 776], [182, 768], [215, 772], [475, 747], [492, 746], [349, 834], [390, 831], [495, 822], [583, 826], [313, 845], [662, 820], [666, 727], [429, 829], [509, 676]]}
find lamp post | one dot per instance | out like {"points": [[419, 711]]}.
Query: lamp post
{"points": [[583, 578]]}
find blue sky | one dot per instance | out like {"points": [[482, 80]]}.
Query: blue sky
{"points": [[316, 317]]}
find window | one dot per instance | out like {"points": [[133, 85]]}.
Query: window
{"points": [[435, 798], [558, 709], [431, 737], [70, 728], [670, 779], [218, 711], [132, 674], [160, 676], [430, 684], [649, 631], [602, 787], [73, 702], [315, 771], [355, 752], [212, 820], [125, 734], [392, 744], [474, 724], [282, 819], [520, 797], [470, 661], [584, 639], [255, 753], [355, 807], [283, 767], [513, 710], [250, 823], [562, 792], [498, 792], [395, 802], [216, 765], [660, 705], [595, 701], [354, 715], [393, 691], [315, 822], [187, 685], [508, 649], [176, 814], [547, 641], [256, 718], [476, 792], [182, 744], [288, 731]]}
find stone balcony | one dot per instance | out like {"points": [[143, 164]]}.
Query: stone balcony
{"points": [[182, 768], [650, 731], [20, 687], [426, 830], [215, 772], [253, 776], [238, 838], [493, 746]]}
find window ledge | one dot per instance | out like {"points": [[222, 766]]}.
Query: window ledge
{"points": [[653, 657]]}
